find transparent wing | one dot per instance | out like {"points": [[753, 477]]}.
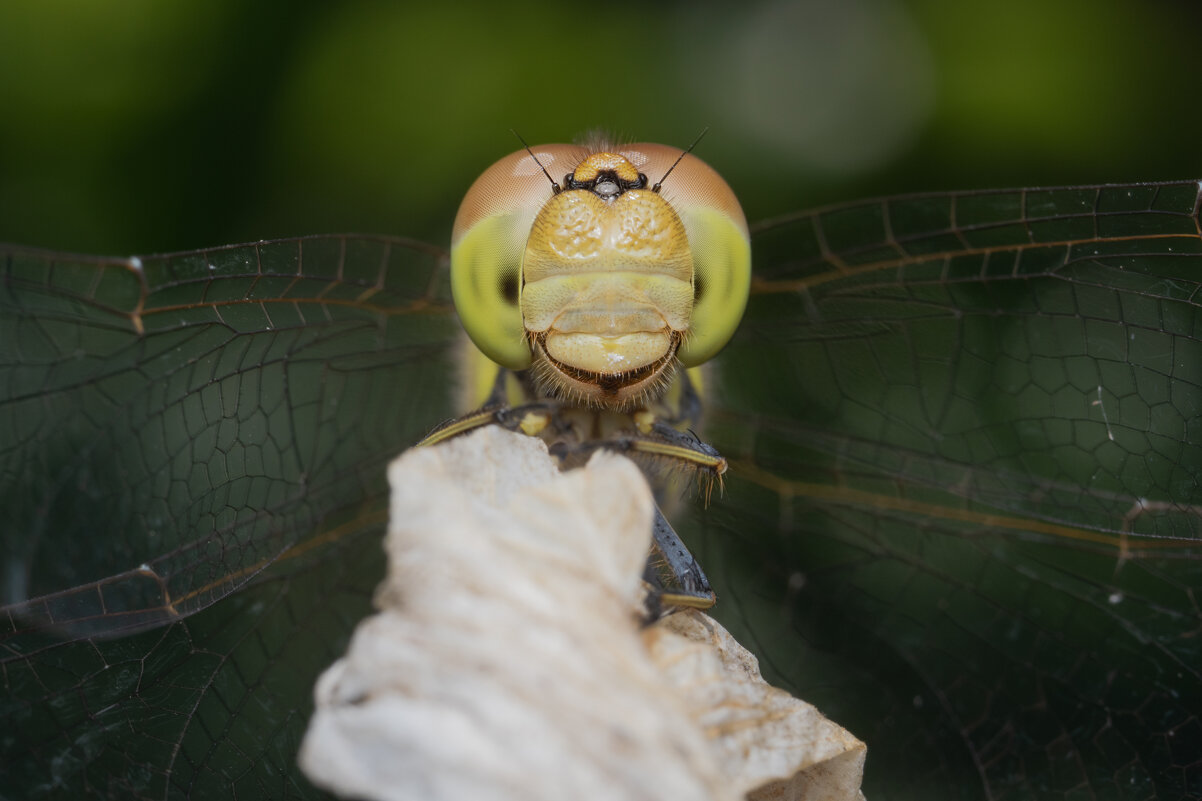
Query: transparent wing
{"points": [[964, 510], [937, 526], [174, 426]]}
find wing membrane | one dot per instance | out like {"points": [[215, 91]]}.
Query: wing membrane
{"points": [[176, 422], [969, 424], [962, 513]]}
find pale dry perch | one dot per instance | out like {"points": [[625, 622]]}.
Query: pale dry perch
{"points": [[508, 660]]}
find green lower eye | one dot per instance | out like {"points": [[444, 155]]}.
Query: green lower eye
{"points": [[484, 283], [722, 261], [608, 281]]}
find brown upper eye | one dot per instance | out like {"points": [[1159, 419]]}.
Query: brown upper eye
{"points": [[497, 213]]}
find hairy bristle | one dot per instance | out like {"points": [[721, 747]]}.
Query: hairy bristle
{"points": [[597, 140], [563, 382]]}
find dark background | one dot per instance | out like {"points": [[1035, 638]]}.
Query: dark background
{"points": [[150, 126]]}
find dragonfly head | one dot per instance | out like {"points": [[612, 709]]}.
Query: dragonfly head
{"points": [[602, 286]]}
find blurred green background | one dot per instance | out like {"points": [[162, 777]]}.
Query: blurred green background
{"points": [[150, 126]]}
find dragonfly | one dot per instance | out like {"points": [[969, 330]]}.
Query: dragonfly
{"points": [[962, 512], [590, 308]]}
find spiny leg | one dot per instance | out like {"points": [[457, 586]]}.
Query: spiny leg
{"points": [[528, 418], [674, 576], [656, 449]]}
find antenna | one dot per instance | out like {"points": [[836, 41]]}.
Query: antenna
{"points": [[555, 188], [660, 182]]}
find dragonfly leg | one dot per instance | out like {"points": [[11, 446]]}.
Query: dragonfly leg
{"points": [[660, 443], [674, 576], [528, 418]]}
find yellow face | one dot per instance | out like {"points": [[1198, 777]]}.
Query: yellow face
{"points": [[604, 287]]}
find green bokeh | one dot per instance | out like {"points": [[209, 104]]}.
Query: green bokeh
{"points": [[159, 127]]}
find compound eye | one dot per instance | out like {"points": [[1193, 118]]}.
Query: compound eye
{"points": [[496, 216], [718, 241], [489, 238], [721, 279]]}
